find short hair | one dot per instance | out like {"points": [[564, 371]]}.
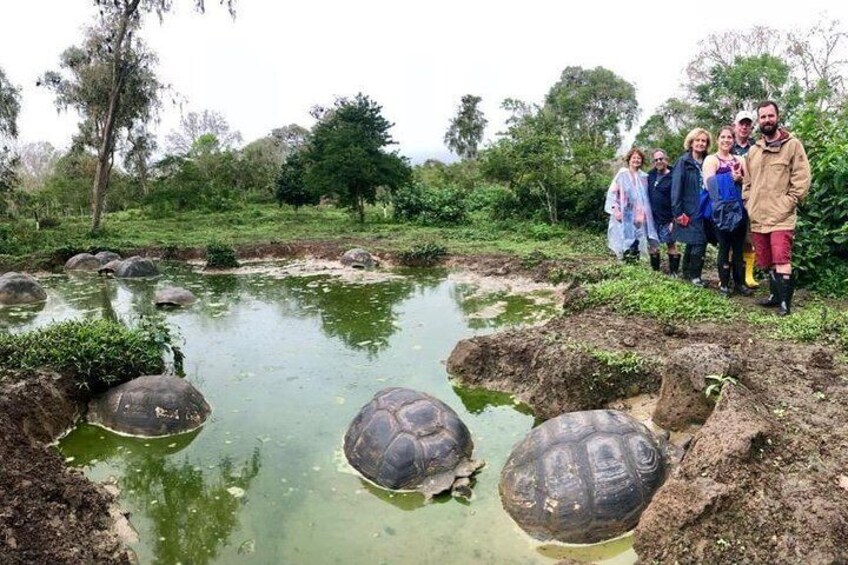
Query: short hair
{"points": [[766, 103], [690, 137], [636, 151], [659, 150]]}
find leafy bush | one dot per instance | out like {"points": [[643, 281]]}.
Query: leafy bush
{"points": [[430, 206], [220, 256], [422, 255], [96, 353]]}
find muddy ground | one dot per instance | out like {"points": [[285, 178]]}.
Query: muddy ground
{"points": [[764, 480]]}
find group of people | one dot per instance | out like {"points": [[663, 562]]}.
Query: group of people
{"points": [[743, 197]]}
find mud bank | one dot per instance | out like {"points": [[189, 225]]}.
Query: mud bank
{"points": [[764, 480], [48, 512]]}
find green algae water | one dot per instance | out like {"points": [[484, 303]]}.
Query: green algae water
{"points": [[286, 363]]}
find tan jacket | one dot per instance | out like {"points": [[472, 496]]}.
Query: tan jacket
{"points": [[777, 179]]}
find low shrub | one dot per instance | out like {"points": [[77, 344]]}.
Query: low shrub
{"points": [[96, 353], [430, 206], [422, 255], [220, 256]]}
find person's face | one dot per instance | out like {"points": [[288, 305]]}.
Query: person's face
{"points": [[767, 119], [635, 161], [725, 140], [699, 144], [660, 161], [743, 129]]}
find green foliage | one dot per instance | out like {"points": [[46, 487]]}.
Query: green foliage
{"points": [[424, 254], [717, 384], [291, 186], [10, 107], [639, 291], [346, 154], [814, 323], [667, 128], [466, 128], [821, 236], [220, 256], [96, 353], [428, 205]]}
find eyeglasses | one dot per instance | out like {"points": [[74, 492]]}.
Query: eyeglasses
{"points": [[656, 159]]}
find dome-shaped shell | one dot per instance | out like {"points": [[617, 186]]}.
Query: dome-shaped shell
{"points": [[82, 262], [582, 477], [151, 406], [20, 288], [110, 267], [358, 259], [136, 267], [407, 440], [105, 256], [174, 296]]}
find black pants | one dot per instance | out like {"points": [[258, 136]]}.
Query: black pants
{"points": [[731, 242], [693, 260]]}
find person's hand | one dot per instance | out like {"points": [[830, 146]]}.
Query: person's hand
{"points": [[683, 220], [617, 215], [736, 172]]}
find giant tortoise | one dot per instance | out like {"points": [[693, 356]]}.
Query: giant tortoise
{"points": [[582, 477], [407, 440], [82, 262], [358, 259], [173, 296], [150, 406], [20, 288], [136, 267]]}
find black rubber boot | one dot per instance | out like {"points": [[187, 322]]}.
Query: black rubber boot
{"points": [[774, 293], [631, 255], [655, 261], [724, 280], [687, 261], [739, 285], [696, 266], [786, 289], [674, 266]]}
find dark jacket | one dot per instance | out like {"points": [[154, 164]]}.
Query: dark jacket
{"points": [[659, 194], [686, 187]]}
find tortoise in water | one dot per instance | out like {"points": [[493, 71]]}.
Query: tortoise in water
{"points": [[20, 288], [150, 406], [407, 440], [174, 296], [106, 256], [110, 267], [82, 262], [136, 267], [358, 259], [582, 477]]}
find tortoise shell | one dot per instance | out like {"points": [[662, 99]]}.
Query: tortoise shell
{"points": [[82, 262], [150, 406], [358, 259], [20, 288], [136, 267], [582, 477], [174, 296], [407, 440]]}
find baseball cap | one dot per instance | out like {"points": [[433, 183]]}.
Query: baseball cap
{"points": [[744, 115]]}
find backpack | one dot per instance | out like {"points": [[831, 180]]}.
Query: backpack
{"points": [[721, 202]]}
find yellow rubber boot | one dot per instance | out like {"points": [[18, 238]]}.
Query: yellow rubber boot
{"points": [[749, 257]]}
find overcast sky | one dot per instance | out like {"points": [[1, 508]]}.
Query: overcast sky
{"points": [[278, 58]]}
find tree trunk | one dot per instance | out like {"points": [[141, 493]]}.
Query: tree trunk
{"points": [[360, 206], [107, 140]]}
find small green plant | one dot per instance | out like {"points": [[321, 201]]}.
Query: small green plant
{"points": [[422, 255], [96, 353], [815, 322], [716, 384], [220, 256]]}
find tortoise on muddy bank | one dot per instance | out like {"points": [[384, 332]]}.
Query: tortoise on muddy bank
{"points": [[150, 406], [174, 296], [582, 477], [407, 440], [20, 288], [358, 259]]}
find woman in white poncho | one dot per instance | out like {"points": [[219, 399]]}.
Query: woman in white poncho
{"points": [[631, 224]]}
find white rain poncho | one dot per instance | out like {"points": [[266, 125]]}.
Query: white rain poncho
{"points": [[628, 192]]}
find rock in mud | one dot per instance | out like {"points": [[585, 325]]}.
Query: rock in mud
{"points": [[682, 400], [82, 262], [20, 288]]}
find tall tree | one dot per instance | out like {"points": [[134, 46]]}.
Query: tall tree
{"points": [[196, 124], [10, 107], [346, 154], [667, 127], [466, 128], [110, 82]]}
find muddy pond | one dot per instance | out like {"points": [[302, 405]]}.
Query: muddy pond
{"points": [[286, 362]]}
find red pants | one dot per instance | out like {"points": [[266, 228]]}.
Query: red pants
{"points": [[773, 248]]}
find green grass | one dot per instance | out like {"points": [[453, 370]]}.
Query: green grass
{"points": [[815, 322], [636, 290]]}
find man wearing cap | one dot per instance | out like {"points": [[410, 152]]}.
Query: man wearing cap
{"points": [[778, 179], [742, 125]]}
